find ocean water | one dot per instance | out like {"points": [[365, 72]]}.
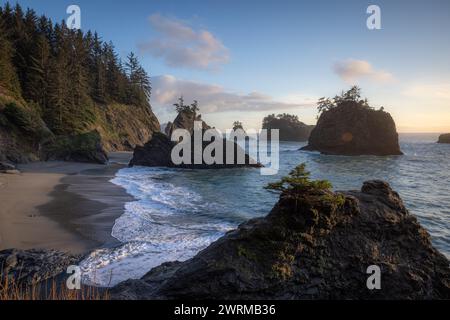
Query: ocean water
{"points": [[177, 213]]}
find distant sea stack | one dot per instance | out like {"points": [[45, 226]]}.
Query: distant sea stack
{"points": [[291, 128], [310, 246], [444, 138], [354, 129]]}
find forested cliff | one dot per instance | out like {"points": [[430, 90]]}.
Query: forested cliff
{"points": [[57, 84]]}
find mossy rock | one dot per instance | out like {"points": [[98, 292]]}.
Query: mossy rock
{"points": [[84, 147]]}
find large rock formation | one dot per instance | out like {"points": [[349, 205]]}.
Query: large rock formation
{"points": [[291, 129], [157, 151], [310, 247], [444, 138], [352, 129]]}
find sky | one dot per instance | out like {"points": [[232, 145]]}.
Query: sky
{"points": [[243, 60]]}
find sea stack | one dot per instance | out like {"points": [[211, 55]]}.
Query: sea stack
{"points": [[158, 150], [444, 138], [289, 126], [352, 129]]}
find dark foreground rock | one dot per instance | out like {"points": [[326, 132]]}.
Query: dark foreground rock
{"points": [[352, 129], [8, 168], [444, 138], [157, 153], [309, 247], [34, 266]]}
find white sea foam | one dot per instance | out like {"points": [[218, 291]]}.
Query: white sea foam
{"points": [[159, 226]]}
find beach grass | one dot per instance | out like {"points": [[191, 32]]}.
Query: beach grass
{"points": [[12, 290]]}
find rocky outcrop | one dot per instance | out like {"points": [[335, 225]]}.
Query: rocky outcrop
{"points": [[157, 153], [310, 247], [444, 138], [166, 128], [8, 168], [352, 129], [290, 128], [85, 147], [34, 266], [185, 120]]}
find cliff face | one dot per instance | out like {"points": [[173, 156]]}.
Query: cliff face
{"points": [[350, 129], [123, 127], [25, 137], [444, 138], [310, 248]]}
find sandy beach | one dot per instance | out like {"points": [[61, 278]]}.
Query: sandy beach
{"points": [[71, 207]]}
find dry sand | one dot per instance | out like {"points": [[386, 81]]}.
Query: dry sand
{"points": [[58, 205]]}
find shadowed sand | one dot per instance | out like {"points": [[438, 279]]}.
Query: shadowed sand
{"points": [[60, 205]]}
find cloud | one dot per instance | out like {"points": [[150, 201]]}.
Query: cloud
{"points": [[352, 71], [213, 99], [182, 46], [437, 91]]}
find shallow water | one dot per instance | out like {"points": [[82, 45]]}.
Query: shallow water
{"points": [[180, 212]]}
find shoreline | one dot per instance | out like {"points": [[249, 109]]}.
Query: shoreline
{"points": [[71, 207]]}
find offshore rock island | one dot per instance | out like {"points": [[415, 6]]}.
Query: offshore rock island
{"points": [[348, 126]]}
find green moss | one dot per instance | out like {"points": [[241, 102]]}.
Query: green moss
{"points": [[243, 252], [85, 142]]}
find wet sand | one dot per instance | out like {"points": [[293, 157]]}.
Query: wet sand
{"points": [[60, 205]]}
